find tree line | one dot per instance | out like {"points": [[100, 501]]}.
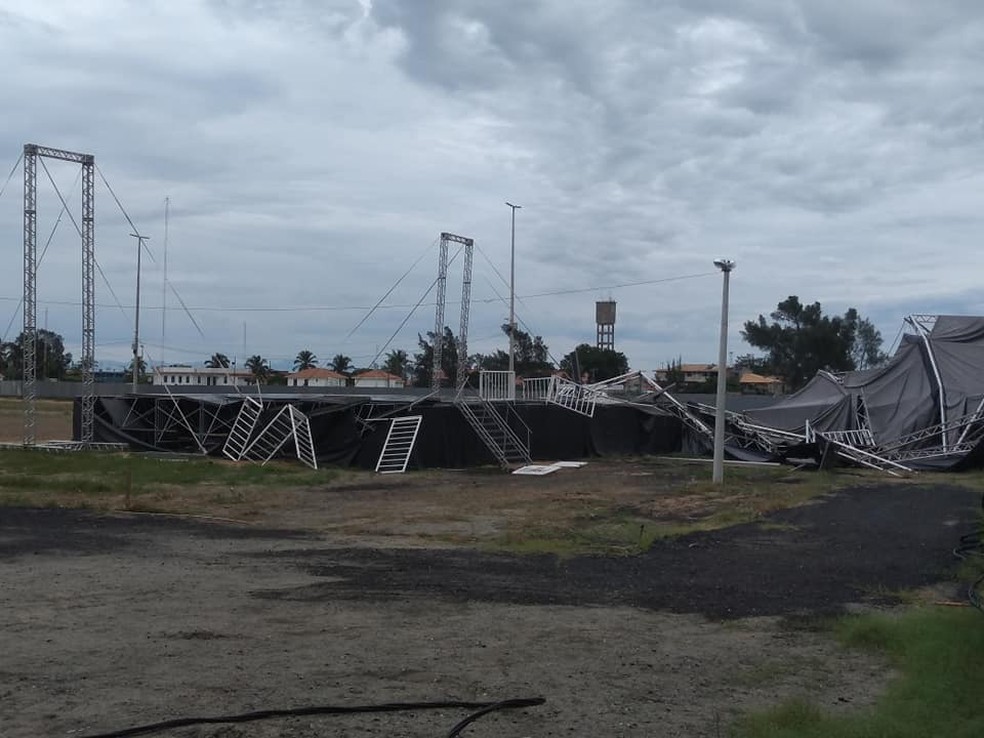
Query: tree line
{"points": [[531, 359], [799, 340]]}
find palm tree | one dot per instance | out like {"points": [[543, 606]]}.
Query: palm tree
{"points": [[141, 368], [341, 363], [218, 361], [259, 368], [397, 362], [305, 360]]}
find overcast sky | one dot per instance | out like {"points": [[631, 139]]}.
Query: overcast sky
{"points": [[313, 150]]}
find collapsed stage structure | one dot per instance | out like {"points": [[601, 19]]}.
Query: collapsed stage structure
{"points": [[551, 419], [923, 409]]}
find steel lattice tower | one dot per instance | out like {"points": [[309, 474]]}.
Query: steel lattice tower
{"points": [[87, 361], [442, 281]]}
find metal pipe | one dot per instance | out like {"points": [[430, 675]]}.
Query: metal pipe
{"points": [[512, 293], [725, 265]]}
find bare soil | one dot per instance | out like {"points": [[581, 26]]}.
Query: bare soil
{"points": [[111, 620], [53, 420]]}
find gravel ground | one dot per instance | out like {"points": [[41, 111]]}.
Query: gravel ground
{"points": [[111, 621]]}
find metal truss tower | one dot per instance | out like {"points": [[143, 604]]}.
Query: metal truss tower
{"points": [[442, 283], [87, 361], [466, 279]]}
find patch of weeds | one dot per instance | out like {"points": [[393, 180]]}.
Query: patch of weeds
{"points": [[74, 478], [937, 651]]}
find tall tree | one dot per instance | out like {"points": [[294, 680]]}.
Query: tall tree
{"points": [[305, 360], [259, 368], [801, 340], [141, 369], [397, 363], [51, 359], [866, 351], [341, 363], [531, 357], [218, 361], [597, 363], [6, 359], [423, 360]]}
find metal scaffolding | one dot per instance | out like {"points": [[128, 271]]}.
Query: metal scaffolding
{"points": [[442, 281], [87, 361]]}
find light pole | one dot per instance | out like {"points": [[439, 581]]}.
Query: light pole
{"points": [[512, 298], [725, 265], [136, 318]]}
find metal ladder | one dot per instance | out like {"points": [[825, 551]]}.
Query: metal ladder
{"points": [[495, 433], [286, 424], [242, 429], [398, 446], [572, 396]]}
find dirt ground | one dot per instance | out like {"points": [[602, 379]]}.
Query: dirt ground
{"points": [[53, 420], [114, 620]]}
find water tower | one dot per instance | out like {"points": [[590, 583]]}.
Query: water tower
{"points": [[605, 321]]}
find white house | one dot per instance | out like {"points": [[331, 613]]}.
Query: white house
{"points": [[316, 377], [201, 376], [377, 378]]}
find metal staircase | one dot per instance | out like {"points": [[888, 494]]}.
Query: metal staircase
{"points": [[492, 428], [242, 428], [399, 445]]}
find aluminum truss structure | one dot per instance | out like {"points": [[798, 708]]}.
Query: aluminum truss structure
{"points": [[942, 444], [87, 361], [442, 283]]}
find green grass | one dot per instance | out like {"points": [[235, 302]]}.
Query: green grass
{"points": [[939, 653], [23, 473], [610, 528]]}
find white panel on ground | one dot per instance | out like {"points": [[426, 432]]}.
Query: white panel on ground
{"points": [[537, 470]]}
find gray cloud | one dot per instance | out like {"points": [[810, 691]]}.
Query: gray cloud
{"points": [[312, 150]]}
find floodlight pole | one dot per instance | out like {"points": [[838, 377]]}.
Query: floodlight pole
{"points": [[512, 295], [136, 318], [725, 265]]}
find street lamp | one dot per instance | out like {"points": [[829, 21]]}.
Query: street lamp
{"points": [[725, 265], [512, 298]]}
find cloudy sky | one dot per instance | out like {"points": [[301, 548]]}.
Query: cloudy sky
{"points": [[313, 150]]}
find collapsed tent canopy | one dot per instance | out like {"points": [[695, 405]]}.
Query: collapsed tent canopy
{"points": [[923, 408]]}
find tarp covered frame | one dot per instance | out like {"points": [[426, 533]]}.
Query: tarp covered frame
{"points": [[936, 376]]}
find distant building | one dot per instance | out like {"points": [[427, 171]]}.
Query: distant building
{"points": [[757, 384], [202, 376], [691, 373], [316, 377], [377, 378]]}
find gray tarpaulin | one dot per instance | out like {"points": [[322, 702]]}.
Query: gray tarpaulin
{"points": [[900, 398]]}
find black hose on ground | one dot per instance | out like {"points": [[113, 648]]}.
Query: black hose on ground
{"points": [[456, 730], [482, 708]]}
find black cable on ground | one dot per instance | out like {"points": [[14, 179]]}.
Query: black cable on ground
{"points": [[482, 708], [505, 704]]}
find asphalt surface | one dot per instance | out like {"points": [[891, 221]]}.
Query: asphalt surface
{"points": [[860, 544]]}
